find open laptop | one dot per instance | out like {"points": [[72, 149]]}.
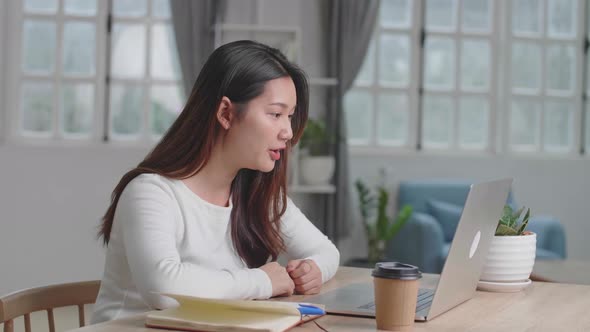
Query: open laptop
{"points": [[461, 271]]}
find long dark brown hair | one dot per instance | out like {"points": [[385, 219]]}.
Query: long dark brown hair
{"points": [[239, 71]]}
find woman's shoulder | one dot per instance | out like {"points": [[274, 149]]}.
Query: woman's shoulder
{"points": [[154, 184]]}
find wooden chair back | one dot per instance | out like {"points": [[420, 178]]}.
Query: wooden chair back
{"points": [[25, 302]]}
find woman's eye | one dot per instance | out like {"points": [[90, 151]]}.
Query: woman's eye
{"points": [[276, 115]]}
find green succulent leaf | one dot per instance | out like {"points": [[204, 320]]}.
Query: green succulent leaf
{"points": [[525, 222], [505, 230]]}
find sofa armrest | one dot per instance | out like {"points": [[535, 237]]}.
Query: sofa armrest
{"points": [[550, 234], [419, 242]]}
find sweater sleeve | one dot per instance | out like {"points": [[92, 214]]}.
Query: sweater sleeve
{"points": [[304, 241], [145, 212]]}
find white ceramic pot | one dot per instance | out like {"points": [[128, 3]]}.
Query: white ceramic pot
{"points": [[317, 170], [510, 258]]}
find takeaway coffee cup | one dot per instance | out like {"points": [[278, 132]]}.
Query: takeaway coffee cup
{"points": [[396, 291]]}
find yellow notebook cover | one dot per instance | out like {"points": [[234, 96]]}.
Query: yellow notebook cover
{"points": [[201, 314]]}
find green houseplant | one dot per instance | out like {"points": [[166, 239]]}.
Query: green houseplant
{"points": [[512, 253], [317, 165], [384, 227], [315, 139], [513, 222]]}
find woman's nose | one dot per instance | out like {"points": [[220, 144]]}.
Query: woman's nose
{"points": [[286, 133]]}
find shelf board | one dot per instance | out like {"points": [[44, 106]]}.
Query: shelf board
{"points": [[315, 189]]}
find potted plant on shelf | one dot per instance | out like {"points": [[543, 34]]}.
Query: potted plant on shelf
{"points": [[511, 256], [316, 163], [383, 228]]}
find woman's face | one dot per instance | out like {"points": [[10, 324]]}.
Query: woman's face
{"points": [[258, 136]]}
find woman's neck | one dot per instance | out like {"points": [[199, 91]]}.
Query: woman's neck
{"points": [[213, 182]]}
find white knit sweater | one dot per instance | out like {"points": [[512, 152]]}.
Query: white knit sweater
{"points": [[165, 238]]}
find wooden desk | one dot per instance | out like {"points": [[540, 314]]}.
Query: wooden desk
{"points": [[541, 307], [565, 271]]}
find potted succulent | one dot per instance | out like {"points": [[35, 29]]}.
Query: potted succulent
{"points": [[383, 228], [512, 252], [316, 163]]}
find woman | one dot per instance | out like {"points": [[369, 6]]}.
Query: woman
{"points": [[206, 212]]}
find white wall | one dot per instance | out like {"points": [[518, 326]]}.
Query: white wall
{"points": [[51, 200]]}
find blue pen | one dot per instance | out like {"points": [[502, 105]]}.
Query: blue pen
{"points": [[308, 309]]}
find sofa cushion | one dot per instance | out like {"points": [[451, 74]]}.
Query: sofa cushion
{"points": [[447, 214]]}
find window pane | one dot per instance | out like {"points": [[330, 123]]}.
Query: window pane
{"points": [[39, 46], [80, 7], [475, 64], [358, 106], [561, 63], [524, 123], [526, 65], [526, 16], [166, 105], [392, 120], [128, 51], [441, 14], [41, 6], [437, 121], [395, 13], [77, 108], [164, 55], [37, 107], [440, 63], [476, 15], [562, 18], [131, 8], [558, 127], [161, 8], [394, 60], [125, 107], [367, 72], [79, 48], [473, 122]]}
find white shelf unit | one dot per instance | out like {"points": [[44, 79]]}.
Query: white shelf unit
{"points": [[288, 40]]}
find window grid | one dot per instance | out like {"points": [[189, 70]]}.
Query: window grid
{"points": [[146, 83], [57, 78], [456, 92], [378, 89], [543, 95]]}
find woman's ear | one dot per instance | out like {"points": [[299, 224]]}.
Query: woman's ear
{"points": [[225, 113]]}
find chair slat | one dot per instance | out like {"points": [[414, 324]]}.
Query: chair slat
{"points": [[9, 326], [51, 320], [27, 323], [81, 320]]}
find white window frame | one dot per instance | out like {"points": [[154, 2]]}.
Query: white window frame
{"points": [[375, 89], [541, 95], [15, 77], [10, 126], [455, 92], [146, 83]]}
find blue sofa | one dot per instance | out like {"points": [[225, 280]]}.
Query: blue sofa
{"points": [[426, 238]]}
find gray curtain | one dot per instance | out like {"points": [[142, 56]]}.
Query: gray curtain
{"points": [[352, 23], [193, 22]]}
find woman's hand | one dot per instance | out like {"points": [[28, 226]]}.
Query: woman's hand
{"points": [[282, 284], [306, 275]]}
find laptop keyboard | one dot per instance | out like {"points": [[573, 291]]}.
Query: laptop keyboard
{"points": [[424, 299]]}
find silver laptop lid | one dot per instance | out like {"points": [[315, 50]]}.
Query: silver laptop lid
{"points": [[466, 257]]}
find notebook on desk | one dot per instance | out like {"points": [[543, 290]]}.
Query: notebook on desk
{"points": [[201, 314], [461, 271]]}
